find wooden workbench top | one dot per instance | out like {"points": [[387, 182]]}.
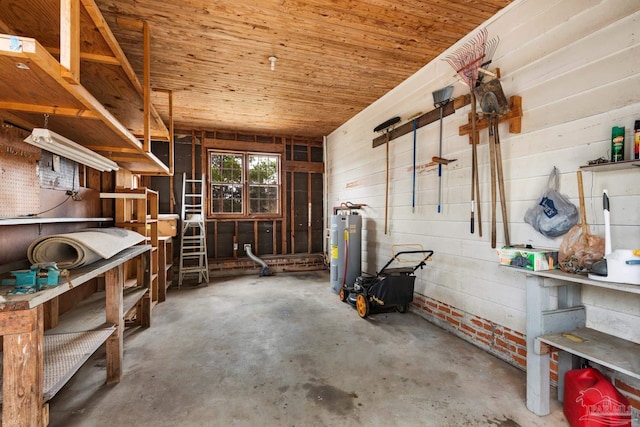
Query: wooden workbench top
{"points": [[77, 277]]}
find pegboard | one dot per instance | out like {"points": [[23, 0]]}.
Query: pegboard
{"points": [[58, 173], [19, 182]]}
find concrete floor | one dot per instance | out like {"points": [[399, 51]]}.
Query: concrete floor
{"points": [[284, 351]]}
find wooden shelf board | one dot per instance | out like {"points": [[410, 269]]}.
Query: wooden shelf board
{"points": [[90, 313], [64, 354], [130, 283], [604, 349], [76, 114], [612, 166], [37, 220], [77, 277], [577, 278]]}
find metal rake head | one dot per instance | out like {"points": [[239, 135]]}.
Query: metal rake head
{"points": [[469, 57], [490, 49]]}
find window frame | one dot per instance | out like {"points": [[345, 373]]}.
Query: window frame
{"points": [[246, 201]]}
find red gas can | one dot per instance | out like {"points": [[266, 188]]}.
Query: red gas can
{"points": [[590, 400]]}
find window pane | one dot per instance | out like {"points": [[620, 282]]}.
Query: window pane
{"points": [[226, 168], [263, 199], [226, 183], [264, 180], [263, 169]]}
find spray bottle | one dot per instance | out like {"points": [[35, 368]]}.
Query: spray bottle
{"points": [[617, 143]]}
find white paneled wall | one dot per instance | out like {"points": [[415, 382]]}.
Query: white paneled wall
{"points": [[576, 64]]}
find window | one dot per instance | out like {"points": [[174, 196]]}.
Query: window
{"points": [[244, 183], [226, 183], [263, 184]]}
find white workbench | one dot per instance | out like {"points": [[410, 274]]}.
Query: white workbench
{"points": [[564, 328]]}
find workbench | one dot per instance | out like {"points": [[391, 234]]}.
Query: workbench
{"points": [[36, 365], [564, 329]]}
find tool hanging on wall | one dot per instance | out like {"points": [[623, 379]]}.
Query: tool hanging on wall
{"points": [[414, 120], [494, 104], [441, 98], [387, 127], [466, 61]]}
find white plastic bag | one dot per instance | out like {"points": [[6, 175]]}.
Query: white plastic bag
{"points": [[552, 215]]}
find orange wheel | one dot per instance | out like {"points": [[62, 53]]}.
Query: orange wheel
{"points": [[362, 306], [343, 294]]}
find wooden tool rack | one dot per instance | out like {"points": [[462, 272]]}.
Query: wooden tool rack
{"points": [[564, 329], [36, 365]]}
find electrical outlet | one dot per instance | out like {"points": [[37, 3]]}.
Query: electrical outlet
{"points": [[247, 245]]}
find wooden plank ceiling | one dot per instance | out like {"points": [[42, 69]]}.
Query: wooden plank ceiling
{"points": [[334, 57]]}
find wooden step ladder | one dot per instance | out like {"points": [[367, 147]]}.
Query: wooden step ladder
{"points": [[193, 244]]}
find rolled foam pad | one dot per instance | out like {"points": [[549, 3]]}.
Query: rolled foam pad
{"points": [[80, 248]]}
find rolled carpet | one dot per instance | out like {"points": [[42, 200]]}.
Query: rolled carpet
{"points": [[83, 247]]}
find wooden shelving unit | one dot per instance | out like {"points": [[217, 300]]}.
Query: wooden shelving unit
{"points": [[34, 365], [77, 114], [564, 328], [137, 210], [165, 268]]}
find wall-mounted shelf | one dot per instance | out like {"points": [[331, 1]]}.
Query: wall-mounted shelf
{"points": [[612, 166], [77, 115]]}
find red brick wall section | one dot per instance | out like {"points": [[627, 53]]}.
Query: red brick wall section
{"points": [[502, 342], [277, 264], [630, 390]]}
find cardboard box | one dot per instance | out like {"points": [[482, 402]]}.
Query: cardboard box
{"points": [[529, 258], [168, 224]]}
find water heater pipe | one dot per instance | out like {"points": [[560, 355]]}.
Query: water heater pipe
{"points": [[265, 268]]}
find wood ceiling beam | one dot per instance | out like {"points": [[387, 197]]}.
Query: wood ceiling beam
{"points": [[48, 109], [86, 56], [17, 121]]}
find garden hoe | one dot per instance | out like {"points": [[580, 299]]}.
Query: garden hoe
{"points": [[387, 127]]}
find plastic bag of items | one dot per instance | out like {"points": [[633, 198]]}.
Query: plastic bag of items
{"points": [[579, 250], [552, 215]]}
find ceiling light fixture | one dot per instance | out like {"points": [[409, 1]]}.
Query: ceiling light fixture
{"points": [[58, 144], [273, 60]]}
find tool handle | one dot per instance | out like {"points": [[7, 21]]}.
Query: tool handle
{"points": [[472, 225]]}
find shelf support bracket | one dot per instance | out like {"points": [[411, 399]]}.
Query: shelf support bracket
{"points": [[70, 40], [147, 87]]}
